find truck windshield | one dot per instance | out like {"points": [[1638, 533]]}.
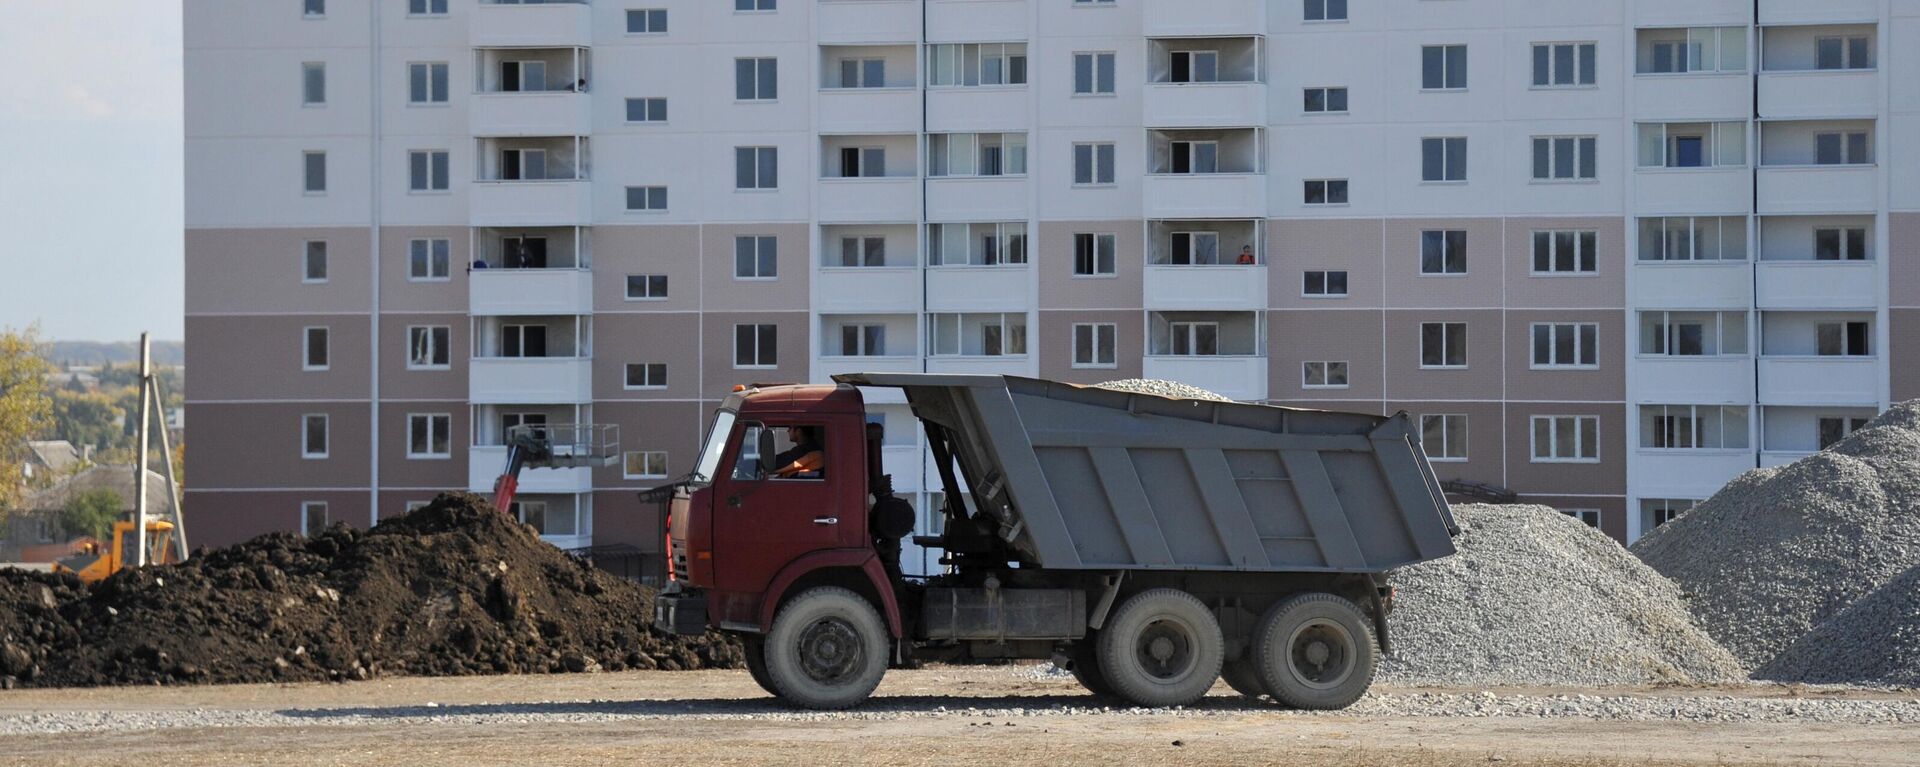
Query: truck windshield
{"points": [[716, 444]]}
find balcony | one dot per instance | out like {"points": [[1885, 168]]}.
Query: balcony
{"points": [[483, 467], [1692, 285], [1205, 195], [1817, 93], [1226, 288], [1797, 12], [968, 21], [1206, 105], [1011, 365], [1686, 473], [551, 24], [1820, 381], [1703, 380], [868, 289], [1833, 285], [977, 198], [566, 202], [530, 113], [1703, 191], [1208, 19], [979, 108], [1241, 378], [1818, 189], [857, 22], [826, 367], [979, 288], [508, 292], [1693, 13], [869, 200], [530, 380], [879, 110], [1791, 433], [1706, 95]]}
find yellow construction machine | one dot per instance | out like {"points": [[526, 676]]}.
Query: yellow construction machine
{"points": [[94, 564]]}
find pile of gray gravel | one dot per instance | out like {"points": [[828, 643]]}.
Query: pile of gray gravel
{"points": [[1535, 597], [1805, 571], [1162, 388]]}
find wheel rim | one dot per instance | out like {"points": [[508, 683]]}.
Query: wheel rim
{"points": [[1164, 648], [830, 651], [1320, 654]]}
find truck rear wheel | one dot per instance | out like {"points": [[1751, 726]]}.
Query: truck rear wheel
{"points": [[1315, 651], [1161, 648], [827, 649], [1086, 668], [1243, 676], [755, 648]]}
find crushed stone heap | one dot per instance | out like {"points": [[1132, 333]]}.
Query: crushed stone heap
{"points": [[451, 589], [1163, 388], [1535, 597], [1797, 569]]}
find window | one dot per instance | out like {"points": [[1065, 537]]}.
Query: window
{"points": [[427, 7], [427, 82], [1189, 248], [646, 21], [1325, 10], [1324, 284], [1193, 339], [1193, 156], [1693, 334], [1564, 158], [756, 79], [756, 257], [1193, 67], [976, 244], [1566, 439], [1443, 67], [863, 340], [1588, 517], [527, 422], [863, 251], [1841, 244], [863, 73], [1323, 375], [1443, 251], [1686, 238], [1325, 100], [313, 261], [427, 171], [313, 84], [1843, 339], [523, 341], [646, 110], [1325, 191], [1443, 159], [429, 259], [429, 347], [1566, 345], [313, 9], [1702, 49], [646, 287], [977, 64], [1092, 164], [756, 167], [644, 464], [756, 346], [314, 172], [1842, 53], [313, 435], [1833, 429], [1693, 145], [1562, 65], [1093, 254], [976, 154], [1093, 344], [1443, 344], [1655, 512], [1444, 437], [649, 375], [864, 161], [313, 518], [978, 335], [1693, 427], [1841, 148], [647, 198], [429, 435], [1092, 74], [1566, 252], [313, 349], [754, 5]]}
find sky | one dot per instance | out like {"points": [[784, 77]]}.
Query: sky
{"points": [[91, 193]]}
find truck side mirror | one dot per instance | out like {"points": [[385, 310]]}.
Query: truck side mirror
{"points": [[768, 456]]}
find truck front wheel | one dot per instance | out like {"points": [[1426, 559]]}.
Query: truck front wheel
{"points": [[1315, 651], [755, 648], [827, 649], [1161, 648]]}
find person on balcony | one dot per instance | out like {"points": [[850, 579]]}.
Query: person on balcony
{"points": [[1246, 256]]}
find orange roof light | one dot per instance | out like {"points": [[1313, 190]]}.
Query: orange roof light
{"points": [[737, 388]]}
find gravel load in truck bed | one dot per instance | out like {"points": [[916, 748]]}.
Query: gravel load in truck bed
{"points": [[451, 589], [1781, 557], [1163, 388], [1535, 597]]}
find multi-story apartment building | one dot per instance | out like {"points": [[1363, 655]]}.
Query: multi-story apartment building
{"points": [[1610, 254]]}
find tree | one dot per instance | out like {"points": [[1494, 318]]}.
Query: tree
{"points": [[92, 512], [26, 412]]}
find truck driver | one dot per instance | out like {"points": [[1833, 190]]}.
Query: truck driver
{"points": [[807, 459]]}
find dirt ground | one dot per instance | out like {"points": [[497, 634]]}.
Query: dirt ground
{"points": [[937, 716]]}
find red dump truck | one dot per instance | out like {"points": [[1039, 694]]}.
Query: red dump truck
{"points": [[1151, 545]]}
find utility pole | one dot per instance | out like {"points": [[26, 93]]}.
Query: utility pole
{"points": [[140, 466]]}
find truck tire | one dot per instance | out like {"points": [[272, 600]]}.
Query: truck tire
{"points": [[1243, 676], [1086, 668], [827, 649], [755, 649], [1315, 651], [1161, 648]]}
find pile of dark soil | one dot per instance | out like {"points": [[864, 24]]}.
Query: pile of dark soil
{"points": [[454, 588]]}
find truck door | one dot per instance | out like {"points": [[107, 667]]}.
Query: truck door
{"points": [[765, 519]]}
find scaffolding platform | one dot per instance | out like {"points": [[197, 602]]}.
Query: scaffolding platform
{"points": [[567, 445]]}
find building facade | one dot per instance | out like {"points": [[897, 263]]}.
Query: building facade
{"points": [[1610, 254]]}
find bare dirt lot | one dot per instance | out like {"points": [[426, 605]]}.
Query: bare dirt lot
{"points": [[940, 715]]}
